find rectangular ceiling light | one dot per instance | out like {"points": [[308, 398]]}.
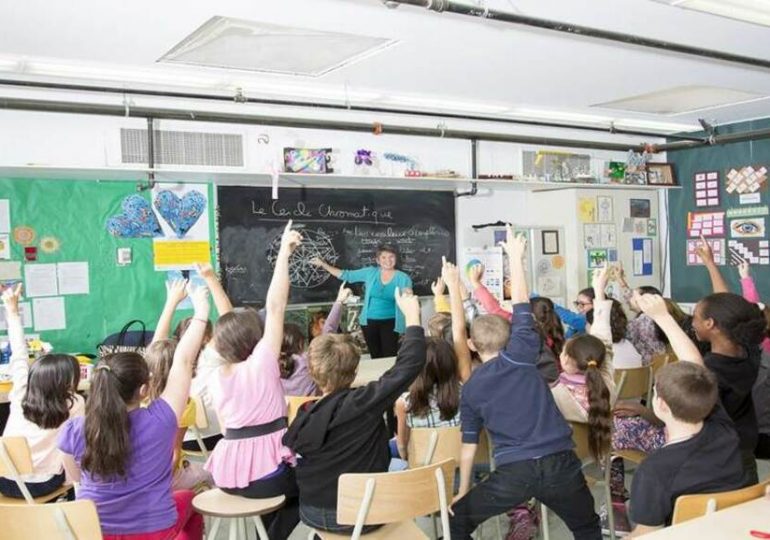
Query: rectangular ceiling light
{"points": [[750, 11], [558, 116], [681, 99], [226, 43], [444, 104]]}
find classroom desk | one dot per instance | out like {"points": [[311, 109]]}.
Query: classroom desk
{"points": [[371, 370], [734, 523]]}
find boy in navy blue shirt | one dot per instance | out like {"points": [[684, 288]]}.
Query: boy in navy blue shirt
{"points": [[532, 441]]}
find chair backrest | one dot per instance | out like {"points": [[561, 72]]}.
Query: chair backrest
{"points": [[484, 451], [658, 361], [17, 451], [293, 403], [381, 498], [433, 445], [580, 438], [632, 383], [201, 418], [75, 520], [689, 507]]}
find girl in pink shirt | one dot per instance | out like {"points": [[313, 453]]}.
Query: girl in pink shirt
{"points": [[751, 294], [251, 461]]}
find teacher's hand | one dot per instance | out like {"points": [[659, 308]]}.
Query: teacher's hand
{"points": [[317, 261]]}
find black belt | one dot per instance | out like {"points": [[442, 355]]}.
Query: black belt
{"points": [[257, 431]]}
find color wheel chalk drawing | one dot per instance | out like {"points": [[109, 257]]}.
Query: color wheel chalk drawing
{"points": [[706, 224], [136, 221], [706, 189], [302, 273], [717, 246], [181, 213], [746, 180], [753, 251], [747, 228]]}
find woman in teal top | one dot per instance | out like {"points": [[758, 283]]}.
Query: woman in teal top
{"points": [[380, 320]]}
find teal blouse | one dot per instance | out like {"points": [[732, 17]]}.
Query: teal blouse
{"points": [[376, 305]]}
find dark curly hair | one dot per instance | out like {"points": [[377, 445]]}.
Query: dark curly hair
{"points": [[741, 321]]}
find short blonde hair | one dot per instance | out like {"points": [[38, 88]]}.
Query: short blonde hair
{"points": [[333, 361], [490, 333]]}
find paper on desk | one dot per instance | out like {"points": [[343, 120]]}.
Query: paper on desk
{"points": [[40, 280], [26, 316], [73, 278], [10, 270], [49, 313]]}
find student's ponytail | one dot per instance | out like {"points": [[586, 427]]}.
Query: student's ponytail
{"points": [[589, 354], [115, 384]]}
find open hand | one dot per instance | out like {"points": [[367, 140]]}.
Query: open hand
{"points": [[652, 305], [11, 296], [290, 238], [476, 274], [176, 291], [600, 278]]}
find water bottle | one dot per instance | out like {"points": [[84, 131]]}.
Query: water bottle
{"points": [[5, 352]]}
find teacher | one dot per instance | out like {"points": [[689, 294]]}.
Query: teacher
{"points": [[380, 321]]}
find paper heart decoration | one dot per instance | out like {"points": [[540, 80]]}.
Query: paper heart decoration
{"points": [[137, 220], [180, 214]]}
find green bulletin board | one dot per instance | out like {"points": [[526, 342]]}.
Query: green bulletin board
{"points": [[691, 283], [75, 212]]}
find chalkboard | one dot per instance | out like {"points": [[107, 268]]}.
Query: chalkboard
{"points": [[689, 283], [342, 226]]}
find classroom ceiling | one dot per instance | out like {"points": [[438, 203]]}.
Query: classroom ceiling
{"points": [[439, 60]]}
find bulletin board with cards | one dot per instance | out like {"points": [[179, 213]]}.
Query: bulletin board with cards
{"points": [[724, 201]]}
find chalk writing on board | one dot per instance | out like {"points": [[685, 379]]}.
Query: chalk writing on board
{"points": [[281, 211], [302, 273]]}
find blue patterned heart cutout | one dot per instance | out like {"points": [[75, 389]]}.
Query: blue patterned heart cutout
{"points": [[180, 214], [137, 220]]}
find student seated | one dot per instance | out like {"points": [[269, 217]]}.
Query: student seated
{"points": [[344, 431], [125, 451], [42, 399], [702, 453], [533, 448]]}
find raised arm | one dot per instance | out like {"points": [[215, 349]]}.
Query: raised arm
{"points": [[525, 341], [655, 307], [602, 307], [440, 303], [333, 270], [179, 376], [451, 276], [278, 292], [176, 291], [576, 321], [482, 294], [332, 323], [704, 251], [748, 288], [218, 294], [19, 366]]}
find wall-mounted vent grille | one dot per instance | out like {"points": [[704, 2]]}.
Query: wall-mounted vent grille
{"points": [[183, 148]]}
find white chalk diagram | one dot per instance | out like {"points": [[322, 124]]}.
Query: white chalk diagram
{"points": [[302, 273]]}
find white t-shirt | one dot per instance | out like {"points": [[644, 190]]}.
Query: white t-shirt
{"points": [[625, 355], [209, 361]]}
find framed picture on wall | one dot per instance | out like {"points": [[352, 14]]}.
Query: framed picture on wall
{"points": [[550, 241], [661, 174]]}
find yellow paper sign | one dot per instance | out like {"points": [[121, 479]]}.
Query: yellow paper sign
{"points": [[179, 254], [587, 209]]}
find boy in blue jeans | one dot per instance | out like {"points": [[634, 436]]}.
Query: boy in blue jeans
{"points": [[532, 441]]}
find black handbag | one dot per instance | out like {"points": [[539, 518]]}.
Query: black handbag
{"points": [[127, 340]]}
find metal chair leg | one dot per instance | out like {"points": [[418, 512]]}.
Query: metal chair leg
{"points": [[214, 528], [262, 533]]}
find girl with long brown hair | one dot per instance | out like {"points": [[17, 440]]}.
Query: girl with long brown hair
{"points": [[122, 452]]}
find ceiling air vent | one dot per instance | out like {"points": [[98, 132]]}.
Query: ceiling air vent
{"points": [[183, 148], [226, 43]]}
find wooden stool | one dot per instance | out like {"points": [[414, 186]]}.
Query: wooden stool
{"points": [[219, 505]]}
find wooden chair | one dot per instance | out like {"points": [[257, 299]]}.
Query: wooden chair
{"points": [[294, 403], [201, 422], [658, 361], [433, 445], [582, 450], [15, 461], [393, 500], [635, 384], [689, 507], [220, 505], [76, 520]]}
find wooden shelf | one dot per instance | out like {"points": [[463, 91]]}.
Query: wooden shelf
{"points": [[232, 177]]}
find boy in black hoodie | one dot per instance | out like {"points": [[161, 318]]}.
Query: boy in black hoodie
{"points": [[345, 432]]}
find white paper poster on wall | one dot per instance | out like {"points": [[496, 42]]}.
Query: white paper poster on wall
{"points": [[25, 309], [5, 216], [49, 313], [40, 280], [492, 259], [73, 278]]}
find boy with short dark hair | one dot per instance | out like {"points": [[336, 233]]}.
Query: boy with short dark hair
{"points": [[344, 432], [532, 441], [702, 453]]}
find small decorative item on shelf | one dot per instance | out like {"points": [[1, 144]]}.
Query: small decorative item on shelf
{"points": [[398, 162], [661, 174], [307, 160], [636, 168], [364, 161], [616, 171], [495, 177]]}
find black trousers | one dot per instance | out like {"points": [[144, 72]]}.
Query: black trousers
{"points": [[556, 480], [381, 338], [283, 521], [9, 488], [763, 446]]}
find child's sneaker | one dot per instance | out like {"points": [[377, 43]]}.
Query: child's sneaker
{"points": [[622, 524]]}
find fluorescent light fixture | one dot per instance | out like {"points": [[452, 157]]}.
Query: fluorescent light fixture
{"points": [[559, 116], [665, 127], [426, 102], [84, 71], [9, 64], [750, 11], [305, 91]]}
